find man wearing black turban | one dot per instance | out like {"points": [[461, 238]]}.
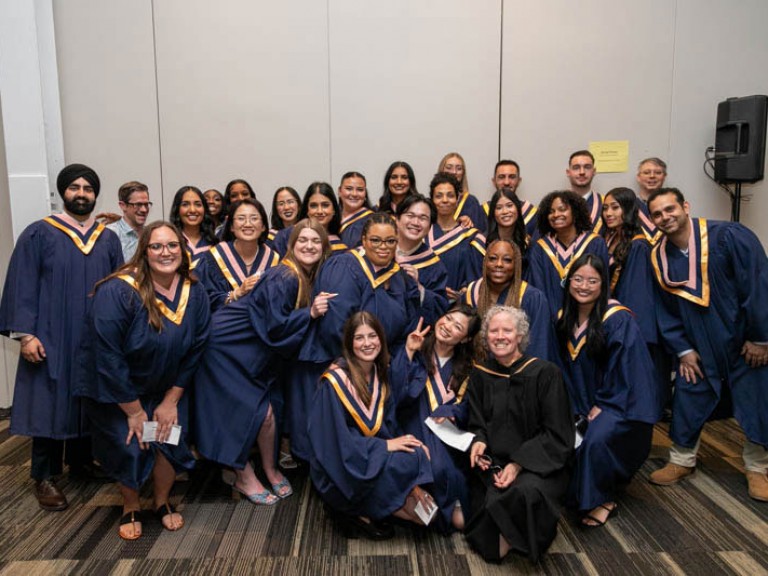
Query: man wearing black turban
{"points": [[53, 268]]}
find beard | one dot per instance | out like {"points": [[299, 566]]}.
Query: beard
{"points": [[79, 206]]}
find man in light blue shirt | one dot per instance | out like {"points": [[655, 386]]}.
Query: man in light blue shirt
{"points": [[133, 198]]}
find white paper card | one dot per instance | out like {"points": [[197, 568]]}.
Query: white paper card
{"points": [[579, 440], [149, 433], [426, 514], [450, 434]]}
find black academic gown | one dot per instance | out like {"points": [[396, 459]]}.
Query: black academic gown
{"points": [[523, 414]]}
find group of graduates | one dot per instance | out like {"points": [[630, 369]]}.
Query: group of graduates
{"points": [[343, 338]]}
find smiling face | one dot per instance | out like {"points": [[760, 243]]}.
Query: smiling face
{"points": [[214, 201], [399, 183], [506, 177], [164, 253], [380, 243], [191, 210], [366, 344], [585, 285], [503, 340], [287, 207], [445, 199], [560, 215], [650, 177], [452, 329], [500, 265], [669, 215], [308, 248], [413, 225], [246, 223], [320, 209], [454, 165], [136, 210], [505, 213], [613, 214], [352, 193]]}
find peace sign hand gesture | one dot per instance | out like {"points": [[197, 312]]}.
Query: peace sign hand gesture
{"points": [[415, 339]]}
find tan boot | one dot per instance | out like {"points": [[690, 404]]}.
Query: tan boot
{"points": [[670, 474], [758, 486]]}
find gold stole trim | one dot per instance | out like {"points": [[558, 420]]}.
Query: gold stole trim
{"points": [[86, 247], [574, 351], [336, 244], [597, 212], [428, 258], [224, 268], [293, 267], [489, 371], [375, 282], [529, 213], [524, 366], [563, 270], [460, 236], [460, 205], [355, 217], [337, 386], [702, 300], [175, 317]]}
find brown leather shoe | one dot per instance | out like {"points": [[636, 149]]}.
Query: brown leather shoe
{"points": [[670, 474], [758, 486], [49, 496]]}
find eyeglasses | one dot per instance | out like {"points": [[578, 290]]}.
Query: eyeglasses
{"points": [[252, 219], [493, 468], [418, 217], [376, 242], [139, 205], [157, 247], [284, 203], [580, 280]]}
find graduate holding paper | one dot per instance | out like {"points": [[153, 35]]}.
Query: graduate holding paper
{"points": [[147, 328], [434, 367]]}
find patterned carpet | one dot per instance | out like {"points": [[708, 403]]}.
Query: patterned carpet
{"points": [[706, 525]]}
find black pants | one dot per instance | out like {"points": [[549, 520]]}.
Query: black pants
{"points": [[49, 455]]}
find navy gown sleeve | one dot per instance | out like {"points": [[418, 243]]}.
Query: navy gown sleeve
{"points": [[635, 288], [542, 340], [198, 307], [20, 302], [213, 280], [751, 272], [281, 240]]}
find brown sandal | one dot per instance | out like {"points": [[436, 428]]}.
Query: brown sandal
{"points": [[131, 518]]}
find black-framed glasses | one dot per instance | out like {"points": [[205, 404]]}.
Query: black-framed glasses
{"points": [[485, 459], [139, 205], [388, 242]]}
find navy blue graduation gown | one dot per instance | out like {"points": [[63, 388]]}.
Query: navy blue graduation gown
{"points": [[419, 396], [389, 294], [197, 251], [432, 277], [542, 340], [716, 309], [651, 233], [52, 270], [241, 364], [522, 414], [280, 242], [126, 359], [350, 466], [469, 205], [618, 440], [461, 250], [549, 262], [221, 270], [352, 227], [595, 208], [530, 217]]}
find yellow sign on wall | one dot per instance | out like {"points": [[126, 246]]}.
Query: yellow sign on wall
{"points": [[610, 155]]}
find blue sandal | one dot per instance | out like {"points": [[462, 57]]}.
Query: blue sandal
{"points": [[282, 489], [265, 498]]}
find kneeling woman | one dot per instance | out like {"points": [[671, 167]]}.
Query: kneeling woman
{"points": [[240, 365], [436, 379], [148, 327], [611, 381], [362, 470], [520, 413]]}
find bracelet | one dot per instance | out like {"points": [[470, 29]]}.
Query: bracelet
{"points": [[231, 297]]}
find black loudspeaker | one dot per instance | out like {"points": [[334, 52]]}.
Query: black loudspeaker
{"points": [[740, 139]]}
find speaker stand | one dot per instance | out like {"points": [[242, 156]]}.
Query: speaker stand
{"points": [[736, 203]]}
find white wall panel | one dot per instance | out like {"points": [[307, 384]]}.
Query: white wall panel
{"points": [[243, 92], [108, 92], [721, 50], [412, 81], [578, 72]]}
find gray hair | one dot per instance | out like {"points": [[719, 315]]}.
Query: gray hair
{"points": [[519, 317]]}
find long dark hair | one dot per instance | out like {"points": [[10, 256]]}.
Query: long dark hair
{"points": [[356, 373], [463, 352], [326, 190], [138, 267], [630, 225], [513, 293], [385, 202], [581, 218], [519, 234], [274, 219], [596, 346], [207, 227], [228, 235]]}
